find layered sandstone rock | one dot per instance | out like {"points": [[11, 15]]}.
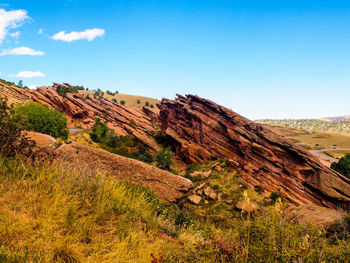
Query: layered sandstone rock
{"points": [[84, 111], [202, 130]]}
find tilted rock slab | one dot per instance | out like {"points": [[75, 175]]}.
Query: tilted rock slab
{"points": [[203, 130], [83, 111], [167, 186]]}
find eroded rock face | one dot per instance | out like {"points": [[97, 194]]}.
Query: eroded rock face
{"points": [[83, 111], [202, 130]]}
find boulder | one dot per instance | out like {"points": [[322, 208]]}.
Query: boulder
{"points": [[209, 192], [313, 214], [195, 199]]}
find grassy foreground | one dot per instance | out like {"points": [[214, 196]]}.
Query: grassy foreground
{"points": [[52, 214]]}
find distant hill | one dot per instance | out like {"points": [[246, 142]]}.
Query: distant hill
{"points": [[342, 127], [340, 118]]}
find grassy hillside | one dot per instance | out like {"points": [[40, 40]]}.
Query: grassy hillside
{"points": [[130, 100], [50, 214], [311, 124], [313, 138]]}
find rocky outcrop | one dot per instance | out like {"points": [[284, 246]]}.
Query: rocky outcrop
{"points": [[167, 186], [82, 111], [200, 130]]}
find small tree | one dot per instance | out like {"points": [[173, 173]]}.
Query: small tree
{"points": [[343, 166], [115, 100], [164, 159], [122, 102], [20, 84], [146, 103], [138, 101], [12, 141], [152, 106]]}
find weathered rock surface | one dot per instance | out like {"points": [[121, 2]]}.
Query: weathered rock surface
{"points": [[315, 215], [167, 186], [195, 199], [202, 130]]}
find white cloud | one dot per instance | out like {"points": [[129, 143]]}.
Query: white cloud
{"points": [[40, 31], [10, 19], [21, 51], [89, 34], [33, 86], [29, 74]]}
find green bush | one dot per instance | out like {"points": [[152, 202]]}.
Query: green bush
{"points": [[40, 118], [164, 159], [343, 166]]}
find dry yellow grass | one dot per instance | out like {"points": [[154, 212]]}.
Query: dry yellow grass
{"points": [[130, 100]]}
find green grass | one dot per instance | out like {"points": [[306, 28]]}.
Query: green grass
{"points": [[49, 213], [337, 153]]}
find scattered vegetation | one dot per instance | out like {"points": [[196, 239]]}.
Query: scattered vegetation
{"points": [[98, 94], [343, 166], [122, 145], [122, 102], [39, 118]]}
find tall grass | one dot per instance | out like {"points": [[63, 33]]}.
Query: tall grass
{"points": [[53, 214]]}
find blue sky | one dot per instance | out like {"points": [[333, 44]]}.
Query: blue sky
{"points": [[263, 59]]}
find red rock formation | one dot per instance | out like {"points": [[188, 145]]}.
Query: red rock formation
{"points": [[202, 130], [83, 111]]}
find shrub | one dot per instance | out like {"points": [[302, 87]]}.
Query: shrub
{"points": [[146, 103], [40, 118], [63, 90], [343, 166], [152, 106], [122, 102], [12, 141], [164, 159], [115, 100], [138, 101], [99, 131]]}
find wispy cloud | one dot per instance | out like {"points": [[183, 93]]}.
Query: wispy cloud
{"points": [[15, 34], [29, 74], [89, 34], [10, 19], [21, 51], [40, 31]]}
